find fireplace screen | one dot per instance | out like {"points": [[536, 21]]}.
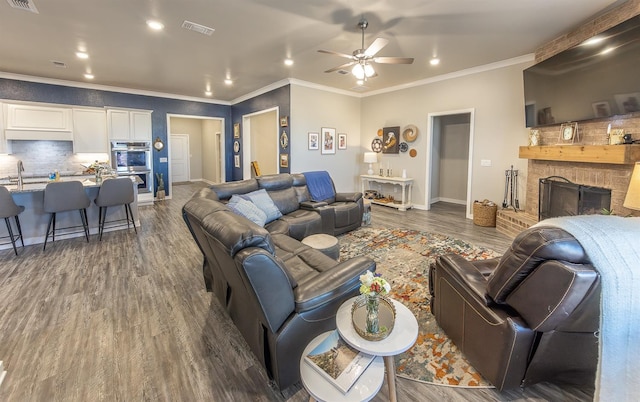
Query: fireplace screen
{"points": [[560, 197]]}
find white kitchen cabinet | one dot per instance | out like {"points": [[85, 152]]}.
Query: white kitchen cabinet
{"points": [[5, 146], [129, 125], [90, 131], [35, 122]]}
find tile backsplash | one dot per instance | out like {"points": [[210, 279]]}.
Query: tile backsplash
{"points": [[41, 157]]}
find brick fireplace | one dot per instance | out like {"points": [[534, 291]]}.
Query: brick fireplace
{"points": [[615, 176], [592, 163]]}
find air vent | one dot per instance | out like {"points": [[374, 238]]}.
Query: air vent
{"points": [[59, 64], [192, 26], [343, 72], [26, 5]]}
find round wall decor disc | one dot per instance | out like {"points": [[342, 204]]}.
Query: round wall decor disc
{"points": [[413, 153], [404, 147], [379, 132], [410, 133], [376, 145]]}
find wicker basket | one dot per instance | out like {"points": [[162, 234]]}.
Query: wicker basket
{"points": [[484, 213]]}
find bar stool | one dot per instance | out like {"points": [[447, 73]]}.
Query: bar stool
{"points": [[8, 208], [65, 196], [115, 192]]}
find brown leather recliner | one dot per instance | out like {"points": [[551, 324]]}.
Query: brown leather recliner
{"points": [[530, 316]]}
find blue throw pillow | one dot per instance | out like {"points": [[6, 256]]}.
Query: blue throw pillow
{"points": [[247, 209], [263, 201]]}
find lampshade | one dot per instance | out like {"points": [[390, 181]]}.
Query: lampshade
{"points": [[632, 200], [370, 157], [368, 70], [358, 71]]}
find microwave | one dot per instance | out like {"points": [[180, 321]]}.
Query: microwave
{"points": [[131, 156]]}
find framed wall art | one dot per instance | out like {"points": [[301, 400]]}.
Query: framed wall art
{"points": [[284, 160], [236, 161], [328, 140], [314, 141], [236, 130], [284, 121], [342, 141], [390, 140]]}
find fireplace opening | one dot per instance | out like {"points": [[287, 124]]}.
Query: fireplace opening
{"points": [[560, 197]]}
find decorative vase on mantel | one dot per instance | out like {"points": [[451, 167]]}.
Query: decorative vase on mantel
{"points": [[373, 302]]}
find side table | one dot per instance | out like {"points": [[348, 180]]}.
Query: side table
{"points": [[401, 338], [319, 389]]}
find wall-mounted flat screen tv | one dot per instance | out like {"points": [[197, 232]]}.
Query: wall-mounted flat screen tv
{"points": [[595, 79]]}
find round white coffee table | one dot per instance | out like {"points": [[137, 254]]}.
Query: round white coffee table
{"points": [[365, 388], [401, 338]]}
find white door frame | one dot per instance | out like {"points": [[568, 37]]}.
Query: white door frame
{"points": [[188, 156], [246, 139], [429, 169], [222, 145]]}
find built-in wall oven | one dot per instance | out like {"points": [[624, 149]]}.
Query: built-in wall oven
{"points": [[133, 158]]}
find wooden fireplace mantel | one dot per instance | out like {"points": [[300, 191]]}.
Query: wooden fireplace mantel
{"points": [[614, 154]]}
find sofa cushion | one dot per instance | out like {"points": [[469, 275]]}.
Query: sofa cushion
{"points": [[226, 190], [286, 200], [263, 201], [233, 233], [247, 209]]}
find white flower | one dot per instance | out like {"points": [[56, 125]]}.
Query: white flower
{"points": [[367, 278]]}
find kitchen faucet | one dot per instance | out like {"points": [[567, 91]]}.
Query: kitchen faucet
{"points": [[20, 170]]}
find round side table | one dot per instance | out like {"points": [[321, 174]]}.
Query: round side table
{"points": [[319, 389], [401, 338]]}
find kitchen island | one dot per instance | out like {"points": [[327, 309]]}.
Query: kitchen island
{"points": [[34, 219]]}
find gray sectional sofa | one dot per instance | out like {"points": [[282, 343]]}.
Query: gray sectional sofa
{"points": [[279, 292]]}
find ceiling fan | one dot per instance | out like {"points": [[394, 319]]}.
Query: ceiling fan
{"points": [[362, 58]]}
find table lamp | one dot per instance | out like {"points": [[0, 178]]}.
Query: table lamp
{"points": [[632, 200], [370, 157]]}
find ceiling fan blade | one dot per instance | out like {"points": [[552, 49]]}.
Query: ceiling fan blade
{"points": [[348, 56], [375, 47], [393, 60], [346, 65]]}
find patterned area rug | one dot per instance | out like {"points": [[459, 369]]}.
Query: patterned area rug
{"points": [[403, 258]]}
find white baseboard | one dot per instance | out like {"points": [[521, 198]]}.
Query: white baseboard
{"points": [[449, 200]]}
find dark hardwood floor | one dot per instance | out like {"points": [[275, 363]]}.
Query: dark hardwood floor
{"points": [[128, 319]]}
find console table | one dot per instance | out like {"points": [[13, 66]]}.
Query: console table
{"points": [[404, 183]]}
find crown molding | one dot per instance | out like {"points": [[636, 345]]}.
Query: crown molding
{"points": [[83, 85], [457, 74]]}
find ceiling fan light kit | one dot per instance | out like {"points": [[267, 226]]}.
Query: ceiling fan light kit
{"points": [[362, 59]]}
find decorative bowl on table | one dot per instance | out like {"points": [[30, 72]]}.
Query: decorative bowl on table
{"points": [[386, 317]]}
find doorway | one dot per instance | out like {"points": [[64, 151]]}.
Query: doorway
{"points": [[449, 160], [200, 155], [260, 142]]}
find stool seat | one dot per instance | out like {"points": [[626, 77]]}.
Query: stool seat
{"points": [[8, 209], [63, 196], [324, 243]]}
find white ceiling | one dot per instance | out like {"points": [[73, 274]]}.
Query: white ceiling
{"points": [[253, 37]]}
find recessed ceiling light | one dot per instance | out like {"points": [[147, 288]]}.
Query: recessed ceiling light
{"points": [[228, 81], [208, 93], [288, 62], [82, 55], [435, 61], [89, 76], [593, 41], [155, 25]]}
